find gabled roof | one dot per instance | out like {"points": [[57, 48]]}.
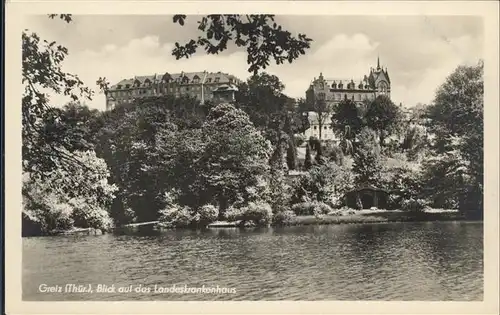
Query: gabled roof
{"points": [[344, 83], [203, 76]]}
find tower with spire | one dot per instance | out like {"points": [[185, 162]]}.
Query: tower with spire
{"points": [[379, 80]]}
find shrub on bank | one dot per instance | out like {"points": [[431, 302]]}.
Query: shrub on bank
{"points": [[311, 208], [260, 213], [413, 205], [89, 216], [394, 202], [176, 216], [207, 214], [286, 217]]}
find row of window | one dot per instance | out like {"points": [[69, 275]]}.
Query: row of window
{"points": [[350, 86], [340, 96], [165, 89], [148, 83], [324, 127]]}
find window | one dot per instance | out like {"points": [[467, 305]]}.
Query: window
{"points": [[217, 79], [209, 80], [315, 127], [127, 86], [119, 86]]}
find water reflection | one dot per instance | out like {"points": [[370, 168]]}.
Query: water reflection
{"points": [[397, 261]]}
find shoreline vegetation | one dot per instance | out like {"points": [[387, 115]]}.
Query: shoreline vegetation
{"points": [[183, 163], [340, 217]]}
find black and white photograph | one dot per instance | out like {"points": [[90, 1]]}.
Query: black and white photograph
{"points": [[177, 156]]}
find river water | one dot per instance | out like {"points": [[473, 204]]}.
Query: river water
{"points": [[390, 261]]}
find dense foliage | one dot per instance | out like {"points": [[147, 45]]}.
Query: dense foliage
{"points": [[220, 146], [186, 164]]}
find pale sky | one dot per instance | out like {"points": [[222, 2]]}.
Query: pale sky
{"points": [[419, 52]]}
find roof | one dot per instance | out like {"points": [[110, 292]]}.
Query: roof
{"points": [[368, 187], [204, 77], [339, 83], [226, 87]]}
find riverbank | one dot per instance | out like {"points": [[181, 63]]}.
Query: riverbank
{"points": [[339, 217], [379, 216]]}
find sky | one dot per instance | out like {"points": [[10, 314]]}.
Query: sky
{"points": [[418, 51]]}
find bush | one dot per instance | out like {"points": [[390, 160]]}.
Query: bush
{"points": [[234, 213], [89, 216], [326, 183], [58, 217], [176, 216], [207, 214], [260, 213], [286, 217], [413, 205], [311, 208], [394, 202]]}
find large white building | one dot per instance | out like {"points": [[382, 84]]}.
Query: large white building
{"points": [[202, 85]]}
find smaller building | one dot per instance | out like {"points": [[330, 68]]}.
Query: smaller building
{"points": [[225, 93], [366, 197], [320, 127]]}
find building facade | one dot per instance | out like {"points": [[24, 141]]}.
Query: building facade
{"points": [[333, 91], [201, 85], [318, 124]]}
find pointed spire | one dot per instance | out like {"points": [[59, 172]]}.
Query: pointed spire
{"points": [[378, 62]]}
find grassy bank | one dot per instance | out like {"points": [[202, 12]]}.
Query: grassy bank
{"points": [[379, 216]]}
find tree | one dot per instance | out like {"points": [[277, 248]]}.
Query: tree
{"points": [[346, 115], [54, 202], [323, 110], [291, 153], [334, 153], [367, 162], [308, 160], [236, 155], [42, 71], [272, 112], [383, 116], [261, 97], [456, 119], [347, 121], [260, 34], [128, 141]]}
